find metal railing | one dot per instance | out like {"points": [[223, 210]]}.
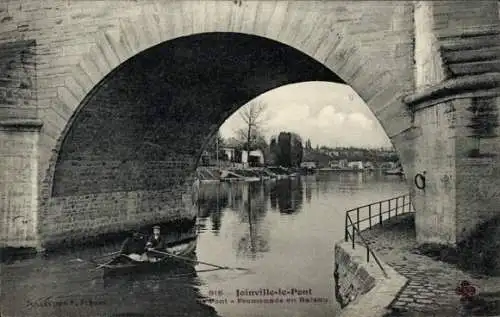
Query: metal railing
{"points": [[372, 214]]}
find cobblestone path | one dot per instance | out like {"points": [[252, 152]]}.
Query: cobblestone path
{"points": [[431, 287]]}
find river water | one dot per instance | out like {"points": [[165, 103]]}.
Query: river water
{"points": [[282, 231]]}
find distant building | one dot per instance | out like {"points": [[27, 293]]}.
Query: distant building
{"points": [[338, 164], [388, 165], [357, 165], [368, 165], [256, 157], [235, 155], [334, 164], [357, 153], [308, 164]]}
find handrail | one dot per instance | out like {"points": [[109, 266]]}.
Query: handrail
{"points": [[355, 225], [368, 251]]}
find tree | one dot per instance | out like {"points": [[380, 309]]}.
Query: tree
{"points": [[287, 149], [274, 150], [254, 118], [308, 144], [296, 150], [483, 122]]}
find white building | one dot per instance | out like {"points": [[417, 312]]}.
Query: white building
{"points": [[338, 164], [308, 164], [357, 165], [257, 154]]}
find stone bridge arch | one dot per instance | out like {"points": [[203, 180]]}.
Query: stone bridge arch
{"points": [[379, 82]]}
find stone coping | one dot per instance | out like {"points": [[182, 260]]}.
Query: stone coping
{"points": [[461, 87], [375, 302]]}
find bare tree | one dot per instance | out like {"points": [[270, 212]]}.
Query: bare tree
{"points": [[254, 117]]}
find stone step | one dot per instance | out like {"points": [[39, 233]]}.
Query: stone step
{"points": [[474, 55], [470, 31], [469, 43], [473, 68]]}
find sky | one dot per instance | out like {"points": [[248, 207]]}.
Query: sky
{"points": [[327, 113]]}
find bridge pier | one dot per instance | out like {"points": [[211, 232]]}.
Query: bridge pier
{"points": [[455, 106], [18, 183], [460, 188]]}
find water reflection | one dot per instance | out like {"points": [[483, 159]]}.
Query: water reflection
{"points": [[248, 201], [254, 241], [284, 231], [287, 196]]}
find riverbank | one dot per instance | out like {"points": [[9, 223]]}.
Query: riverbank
{"points": [[210, 174], [432, 283]]}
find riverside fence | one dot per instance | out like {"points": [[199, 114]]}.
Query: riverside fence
{"points": [[366, 216]]}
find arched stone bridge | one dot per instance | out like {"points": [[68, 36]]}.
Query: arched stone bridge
{"points": [[106, 105]]}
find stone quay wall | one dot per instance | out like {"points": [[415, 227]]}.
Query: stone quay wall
{"points": [[361, 289], [73, 218]]}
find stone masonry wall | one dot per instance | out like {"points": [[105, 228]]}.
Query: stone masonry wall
{"points": [[361, 288], [478, 178], [18, 191], [435, 159], [19, 136], [72, 218], [456, 44], [18, 98], [453, 17], [351, 278], [428, 63], [85, 176]]}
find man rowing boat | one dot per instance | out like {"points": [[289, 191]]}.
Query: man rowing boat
{"points": [[134, 247], [155, 242]]}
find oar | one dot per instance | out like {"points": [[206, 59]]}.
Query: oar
{"points": [[106, 255], [208, 270], [201, 262], [93, 260], [104, 264]]}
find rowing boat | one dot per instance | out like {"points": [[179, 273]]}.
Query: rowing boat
{"points": [[124, 263]]}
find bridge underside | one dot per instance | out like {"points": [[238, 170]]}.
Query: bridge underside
{"points": [[133, 144]]}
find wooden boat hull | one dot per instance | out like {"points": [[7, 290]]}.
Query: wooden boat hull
{"points": [[125, 264]]}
